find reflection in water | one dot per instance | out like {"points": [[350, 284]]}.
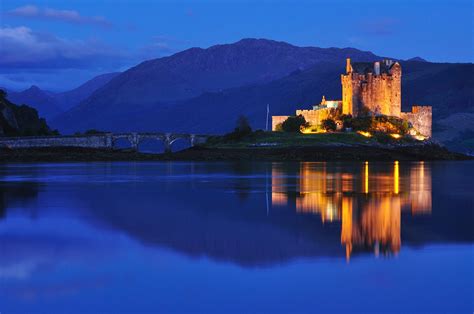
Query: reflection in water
{"points": [[89, 235], [368, 205]]}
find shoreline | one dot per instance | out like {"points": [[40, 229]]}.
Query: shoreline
{"points": [[418, 152]]}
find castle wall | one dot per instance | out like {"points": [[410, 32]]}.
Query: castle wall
{"points": [[314, 117], [421, 118], [277, 120], [381, 94], [347, 95]]}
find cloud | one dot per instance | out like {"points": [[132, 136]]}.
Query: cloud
{"points": [[68, 16], [384, 26], [21, 47]]}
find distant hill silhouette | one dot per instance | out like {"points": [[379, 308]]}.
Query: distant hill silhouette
{"points": [[72, 98], [50, 104], [419, 59], [20, 120], [43, 101], [195, 71]]}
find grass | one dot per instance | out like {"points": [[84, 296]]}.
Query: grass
{"points": [[282, 139]]}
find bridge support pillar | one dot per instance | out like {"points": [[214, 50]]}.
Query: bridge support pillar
{"points": [[167, 143], [134, 140], [109, 141]]}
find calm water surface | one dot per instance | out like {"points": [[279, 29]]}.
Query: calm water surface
{"points": [[237, 237]]}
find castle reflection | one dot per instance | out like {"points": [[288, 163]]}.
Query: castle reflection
{"points": [[368, 203]]}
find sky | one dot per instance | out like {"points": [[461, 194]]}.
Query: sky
{"points": [[58, 45]]}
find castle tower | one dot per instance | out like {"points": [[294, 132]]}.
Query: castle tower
{"points": [[373, 86], [396, 90], [346, 81]]}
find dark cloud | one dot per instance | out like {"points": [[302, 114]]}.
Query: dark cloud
{"points": [[68, 16], [25, 48]]}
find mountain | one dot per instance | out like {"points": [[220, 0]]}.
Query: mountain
{"points": [[51, 104], [20, 120], [419, 59], [195, 71], [71, 98], [42, 101], [159, 106]]}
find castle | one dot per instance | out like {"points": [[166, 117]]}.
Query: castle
{"points": [[369, 87]]}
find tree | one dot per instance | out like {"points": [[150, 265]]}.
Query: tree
{"points": [[93, 131], [242, 129], [294, 124], [346, 121], [243, 126], [328, 125], [363, 123]]}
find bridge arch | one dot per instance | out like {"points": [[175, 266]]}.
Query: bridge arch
{"points": [[151, 144], [184, 141]]}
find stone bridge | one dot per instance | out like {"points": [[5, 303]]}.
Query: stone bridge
{"points": [[105, 140]]}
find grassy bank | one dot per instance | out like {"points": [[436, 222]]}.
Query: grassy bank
{"points": [[283, 139]]}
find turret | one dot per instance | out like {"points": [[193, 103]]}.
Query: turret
{"points": [[348, 66], [377, 68]]}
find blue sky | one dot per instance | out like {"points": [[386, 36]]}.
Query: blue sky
{"points": [[59, 44]]}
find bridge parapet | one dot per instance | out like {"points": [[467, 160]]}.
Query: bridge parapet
{"points": [[103, 140]]}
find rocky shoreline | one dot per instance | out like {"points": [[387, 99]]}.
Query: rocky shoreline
{"points": [[296, 153]]}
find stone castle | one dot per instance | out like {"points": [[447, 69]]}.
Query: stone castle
{"points": [[369, 87]]}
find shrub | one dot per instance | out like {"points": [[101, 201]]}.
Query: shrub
{"points": [[294, 124], [241, 130], [362, 124], [243, 126], [93, 131], [328, 125], [346, 121]]}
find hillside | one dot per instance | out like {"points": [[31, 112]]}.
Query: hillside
{"points": [[43, 101], [216, 112], [50, 104], [72, 98], [20, 120], [195, 71]]}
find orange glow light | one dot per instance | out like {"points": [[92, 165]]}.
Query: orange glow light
{"points": [[363, 133], [396, 179]]}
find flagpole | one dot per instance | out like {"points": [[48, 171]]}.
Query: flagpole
{"points": [[266, 122]]}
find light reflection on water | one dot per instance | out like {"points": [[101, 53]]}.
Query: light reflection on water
{"points": [[91, 235], [368, 205]]}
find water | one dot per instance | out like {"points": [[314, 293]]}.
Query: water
{"points": [[237, 237]]}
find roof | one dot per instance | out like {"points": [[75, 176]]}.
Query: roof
{"points": [[368, 67]]}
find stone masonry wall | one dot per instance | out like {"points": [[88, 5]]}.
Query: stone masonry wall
{"points": [[94, 141], [421, 118], [314, 117], [381, 94]]}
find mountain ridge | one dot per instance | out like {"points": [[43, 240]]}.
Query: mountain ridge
{"points": [[194, 71], [50, 104]]}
